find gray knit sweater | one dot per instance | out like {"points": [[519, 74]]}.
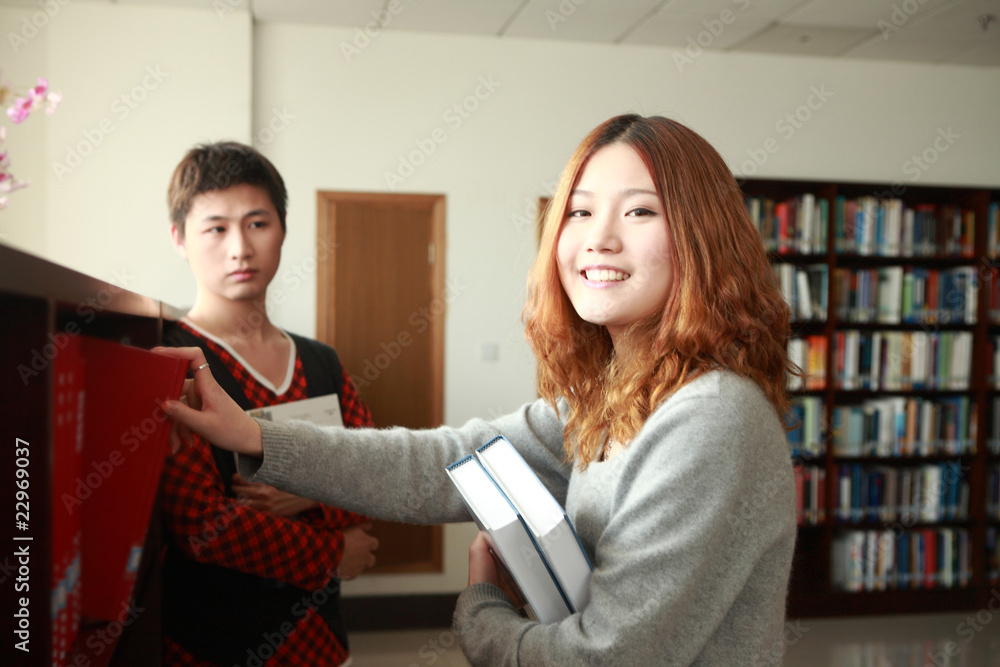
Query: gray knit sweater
{"points": [[690, 529]]}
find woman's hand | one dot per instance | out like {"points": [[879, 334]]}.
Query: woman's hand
{"points": [[206, 409], [484, 567], [359, 551]]}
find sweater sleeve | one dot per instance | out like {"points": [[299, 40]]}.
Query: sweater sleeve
{"points": [[698, 538], [211, 527], [395, 473]]}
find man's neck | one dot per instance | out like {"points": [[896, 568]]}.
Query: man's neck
{"points": [[236, 322]]}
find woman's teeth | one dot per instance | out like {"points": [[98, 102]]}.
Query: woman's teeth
{"points": [[605, 275]]}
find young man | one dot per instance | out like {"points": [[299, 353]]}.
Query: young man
{"points": [[251, 573]]}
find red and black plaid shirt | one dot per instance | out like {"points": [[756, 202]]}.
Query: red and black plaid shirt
{"points": [[302, 550]]}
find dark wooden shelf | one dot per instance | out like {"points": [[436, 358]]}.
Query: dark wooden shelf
{"points": [[811, 593], [40, 303]]}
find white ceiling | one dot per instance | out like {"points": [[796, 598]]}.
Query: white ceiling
{"points": [[927, 31]]}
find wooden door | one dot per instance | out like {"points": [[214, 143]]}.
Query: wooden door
{"points": [[381, 302]]}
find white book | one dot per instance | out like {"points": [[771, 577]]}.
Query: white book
{"points": [[802, 292], [807, 223], [509, 539], [797, 355], [544, 516], [930, 496]]}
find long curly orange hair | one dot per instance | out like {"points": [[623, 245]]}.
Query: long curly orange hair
{"points": [[725, 310]]}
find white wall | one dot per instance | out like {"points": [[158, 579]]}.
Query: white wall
{"points": [[333, 124], [22, 224], [140, 85]]}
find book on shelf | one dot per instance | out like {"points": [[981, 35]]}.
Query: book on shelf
{"points": [[902, 360], [929, 493], [880, 560], [897, 426], [793, 225], [889, 227], [805, 289], [527, 529], [125, 435], [67, 445]]}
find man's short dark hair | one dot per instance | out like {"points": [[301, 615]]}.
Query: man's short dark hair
{"points": [[218, 166]]}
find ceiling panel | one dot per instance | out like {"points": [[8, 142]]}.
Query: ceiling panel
{"points": [[476, 17], [861, 14], [804, 40], [587, 21], [768, 9], [698, 31], [905, 30], [328, 12]]}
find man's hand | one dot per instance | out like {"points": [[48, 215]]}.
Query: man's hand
{"points": [[206, 409], [267, 498], [359, 551]]}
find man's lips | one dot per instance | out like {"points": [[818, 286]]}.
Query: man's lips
{"points": [[243, 274]]}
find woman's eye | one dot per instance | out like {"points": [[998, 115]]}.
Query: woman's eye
{"points": [[640, 211], [578, 213]]}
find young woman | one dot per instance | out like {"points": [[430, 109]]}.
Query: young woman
{"points": [[660, 338]]}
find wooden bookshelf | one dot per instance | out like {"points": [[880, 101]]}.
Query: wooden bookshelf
{"points": [[813, 591], [41, 304]]}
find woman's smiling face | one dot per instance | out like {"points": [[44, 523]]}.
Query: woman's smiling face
{"points": [[614, 251]]}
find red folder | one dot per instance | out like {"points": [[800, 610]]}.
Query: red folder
{"points": [[67, 441], [125, 442]]}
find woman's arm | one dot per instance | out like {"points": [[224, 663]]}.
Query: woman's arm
{"points": [[395, 473]]}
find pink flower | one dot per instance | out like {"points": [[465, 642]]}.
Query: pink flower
{"points": [[20, 109], [54, 100]]}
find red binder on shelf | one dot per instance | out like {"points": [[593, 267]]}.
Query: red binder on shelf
{"points": [[67, 443], [124, 446]]}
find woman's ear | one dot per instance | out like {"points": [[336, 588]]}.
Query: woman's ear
{"points": [[178, 240]]}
